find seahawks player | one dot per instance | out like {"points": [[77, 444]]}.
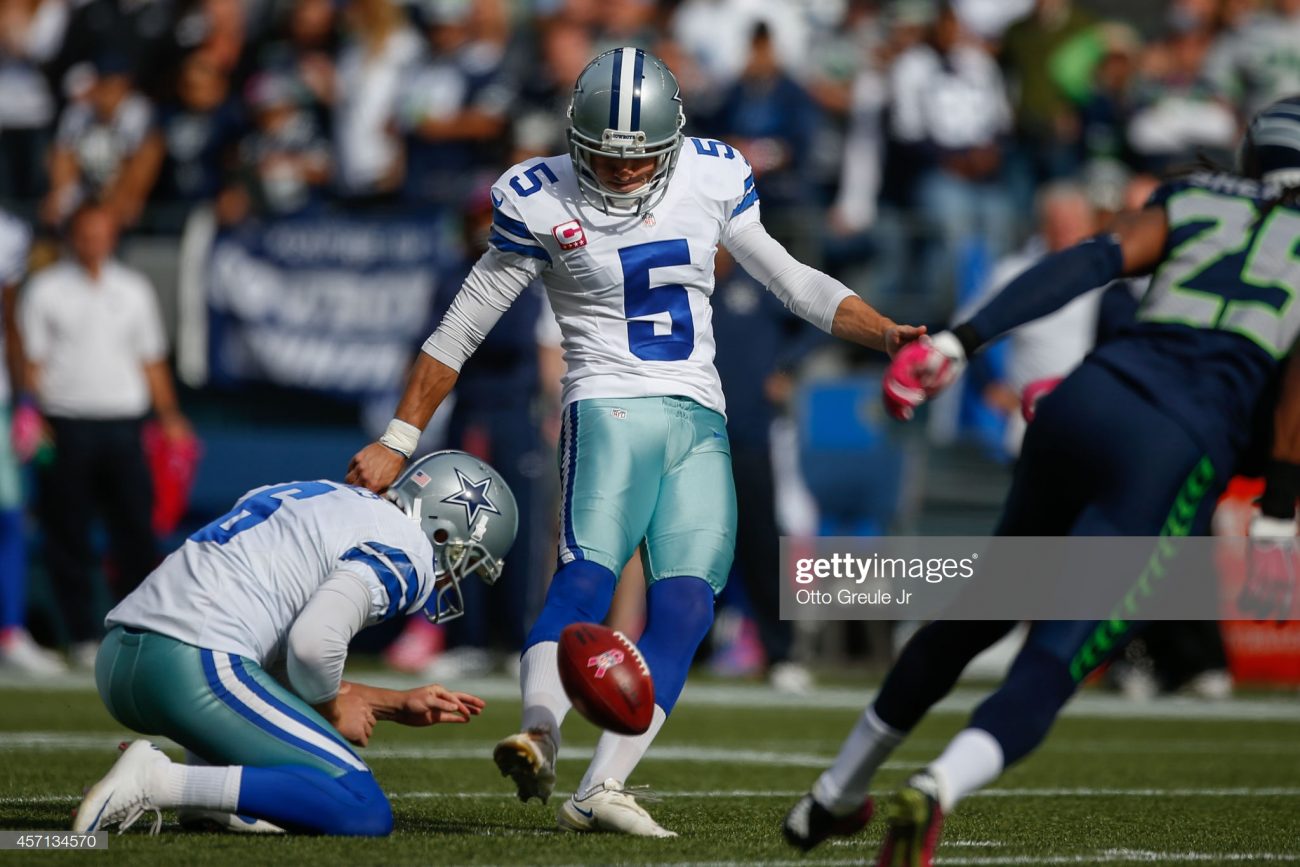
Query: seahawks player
{"points": [[1139, 440], [623, 230], [284, 580]]}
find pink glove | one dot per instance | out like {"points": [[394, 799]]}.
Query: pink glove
{"points": [[1034, 392], [28, 431], [919, 371]]}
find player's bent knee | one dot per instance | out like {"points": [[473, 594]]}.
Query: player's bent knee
{"points": [[371, 815], [374, 819]]}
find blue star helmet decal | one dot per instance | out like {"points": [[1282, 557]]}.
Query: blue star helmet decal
{"points": [[473, 496]]}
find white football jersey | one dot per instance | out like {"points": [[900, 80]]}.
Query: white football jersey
{"points": [[630, 293], [238, 584]]}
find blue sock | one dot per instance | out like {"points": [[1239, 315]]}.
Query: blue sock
{"points": [[13, 572], [307, 800], [580, 592], [1020, 713], [679, 612]]}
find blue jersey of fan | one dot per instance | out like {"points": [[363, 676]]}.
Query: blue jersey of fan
{"points": [[1219, 314], [238, 584]]}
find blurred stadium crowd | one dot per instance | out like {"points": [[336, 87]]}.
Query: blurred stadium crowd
{"points": [[951, 113], [923, 152]]}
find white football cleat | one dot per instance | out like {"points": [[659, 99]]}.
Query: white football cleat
{"points": [[612, 808], [83, 654], [193, 819], [528, 758], [125, 793], [790, 678], [19, 653]]}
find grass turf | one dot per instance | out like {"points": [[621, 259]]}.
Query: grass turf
{"points": [[1189, 791]]}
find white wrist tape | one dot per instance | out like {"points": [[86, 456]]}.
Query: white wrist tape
{"points": [[1263, 527], [401, 437]]}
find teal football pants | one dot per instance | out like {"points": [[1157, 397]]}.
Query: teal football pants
{"points": [[651, 469], [220, 706]]}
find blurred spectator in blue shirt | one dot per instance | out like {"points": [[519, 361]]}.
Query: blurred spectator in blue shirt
{"points": [[452, 108], [97, 149], [31, 32], [545, 87], [1105, 111], [949, 119], [759, 343], [284, 162], [147, 33], [305, 51], [772, 120], [192, 143]]}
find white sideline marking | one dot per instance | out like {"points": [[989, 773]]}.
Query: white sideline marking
{"points": [[1111, 856], [505, 794], [1089, 705], [971, 844], [40, 740], [773, 757], [1104, 856]]}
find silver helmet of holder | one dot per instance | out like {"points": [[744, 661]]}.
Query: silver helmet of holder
{"points": [[626, 104], [470, 517]]}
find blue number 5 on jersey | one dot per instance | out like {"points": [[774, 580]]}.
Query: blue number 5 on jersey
{"points": [[642, 300]]}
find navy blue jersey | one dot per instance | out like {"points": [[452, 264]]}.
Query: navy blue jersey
{"points": [[1218, 316]]}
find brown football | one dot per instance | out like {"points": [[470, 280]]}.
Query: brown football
{"points": [[606, 678]]}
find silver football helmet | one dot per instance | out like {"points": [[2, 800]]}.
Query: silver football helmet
{"points": [[626, 104], [469, 515]]}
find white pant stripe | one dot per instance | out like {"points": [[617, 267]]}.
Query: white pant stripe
{"points": [[278, 718]]}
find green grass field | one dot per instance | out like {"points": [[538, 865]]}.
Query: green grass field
{"points": [[1171, 783]]}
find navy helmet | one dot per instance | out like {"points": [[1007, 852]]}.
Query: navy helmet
{"points": [[1270, 149]]}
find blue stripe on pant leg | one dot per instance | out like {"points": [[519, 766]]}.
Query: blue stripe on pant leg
{"points": [[227, 698], [244, 677], [571, 467]]}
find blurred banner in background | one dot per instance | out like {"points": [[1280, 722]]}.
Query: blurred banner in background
{"points": [[328, 303]]}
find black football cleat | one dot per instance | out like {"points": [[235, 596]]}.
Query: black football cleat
{"points": [[809, 823]]}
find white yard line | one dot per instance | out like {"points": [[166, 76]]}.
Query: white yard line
{"points": [[1083, 792], [54, 741], [1105, 856], [1089, 705], [774, 755]]}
